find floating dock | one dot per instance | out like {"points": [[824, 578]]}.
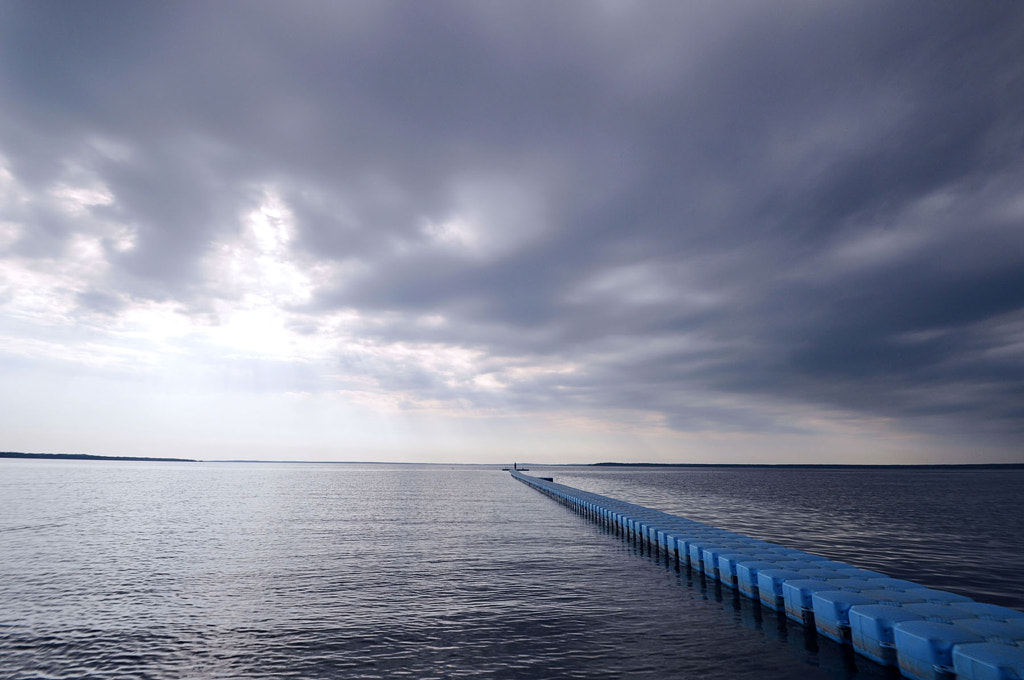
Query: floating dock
{"points": [[927, 634]]}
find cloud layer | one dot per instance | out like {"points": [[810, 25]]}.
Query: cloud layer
{"points": [[675, 220]]}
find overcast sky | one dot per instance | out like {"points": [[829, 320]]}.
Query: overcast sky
{"points": [[494, 231]]}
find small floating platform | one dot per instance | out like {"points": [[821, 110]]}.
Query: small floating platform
{"points": [[927, 634]]}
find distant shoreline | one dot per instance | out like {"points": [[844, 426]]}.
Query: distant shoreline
{"points": [[86, 456], [821, 466], [609, 464]]}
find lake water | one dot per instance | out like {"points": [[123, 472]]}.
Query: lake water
{"points": [[179, 570]]}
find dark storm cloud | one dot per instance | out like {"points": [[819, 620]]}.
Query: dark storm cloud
{"points": [[708, 208]]}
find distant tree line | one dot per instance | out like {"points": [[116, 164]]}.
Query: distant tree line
{"points": [[86, 456]]}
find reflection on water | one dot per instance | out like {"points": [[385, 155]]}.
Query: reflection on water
{"points": [[156, 570]]}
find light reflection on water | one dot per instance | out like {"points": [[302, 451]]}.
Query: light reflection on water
{"points": [[150, 570]]}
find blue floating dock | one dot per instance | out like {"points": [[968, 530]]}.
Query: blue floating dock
{"points": [[928, 634], [988, 661]]}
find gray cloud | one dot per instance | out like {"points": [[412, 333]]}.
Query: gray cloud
{"points": [[707, 209]]}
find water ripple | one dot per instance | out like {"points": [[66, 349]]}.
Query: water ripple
{"points": [[158, 571]]}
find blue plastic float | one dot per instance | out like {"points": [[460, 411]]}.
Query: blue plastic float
{"points": [[988, 661]]}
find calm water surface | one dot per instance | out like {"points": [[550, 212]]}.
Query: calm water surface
{"points": [[157, 570]]}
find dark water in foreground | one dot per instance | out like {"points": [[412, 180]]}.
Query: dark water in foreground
{"points": [[157, 570]]}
